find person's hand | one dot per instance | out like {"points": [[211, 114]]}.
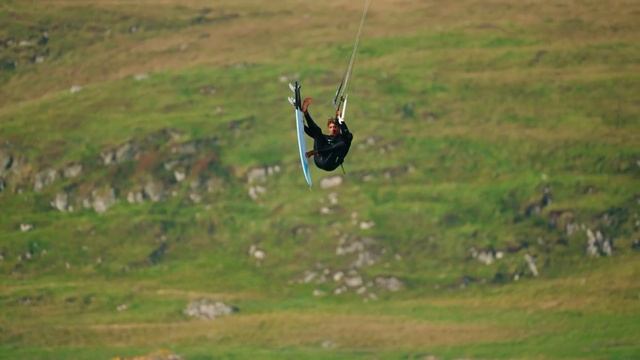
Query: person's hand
{"points": [[305, 104], [310, 153]]}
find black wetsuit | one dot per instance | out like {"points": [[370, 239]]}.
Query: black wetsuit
{"points": [[330, 150]]}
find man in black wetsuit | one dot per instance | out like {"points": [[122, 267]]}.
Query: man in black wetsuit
{"points": [[330, 150]]}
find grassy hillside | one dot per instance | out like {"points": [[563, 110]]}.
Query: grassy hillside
{"points": [[490, 206]]}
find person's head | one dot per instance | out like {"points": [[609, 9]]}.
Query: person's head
{"points": [[332, 124]]}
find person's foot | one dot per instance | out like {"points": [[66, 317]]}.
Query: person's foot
{"points": [[305, 104]]}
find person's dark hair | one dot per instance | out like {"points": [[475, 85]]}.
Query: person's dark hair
{"points": [[332, 120]]}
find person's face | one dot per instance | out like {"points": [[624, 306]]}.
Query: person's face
{"points": [[333, 129]]}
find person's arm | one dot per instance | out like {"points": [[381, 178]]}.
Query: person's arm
{"points": [[344, 130]]}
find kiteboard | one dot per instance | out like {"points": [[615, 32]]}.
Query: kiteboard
{"points": [[302, 145]]}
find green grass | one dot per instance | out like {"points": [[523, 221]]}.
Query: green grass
{"points": [[463, 114]]}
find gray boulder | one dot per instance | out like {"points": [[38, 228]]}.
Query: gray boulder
{"points": [[531, 263], [61, 202], [154, 190], [597, 244], [103, 199], [45, 178], [331, 182], [72, 171], [125, 152], [389, 283], [260, 174], [135, 197], [208, 309]]}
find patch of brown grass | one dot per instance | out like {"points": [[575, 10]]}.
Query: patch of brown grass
{"points": [[289, 329]]}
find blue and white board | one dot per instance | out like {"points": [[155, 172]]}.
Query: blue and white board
{"points": [[302, 145]]}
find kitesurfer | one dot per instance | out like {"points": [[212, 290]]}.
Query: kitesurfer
{"points": [[330, 150]]}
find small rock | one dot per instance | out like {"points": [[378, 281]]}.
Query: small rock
{"points": [[45, 178], [61, 202], [366, 225], [196, 198], [26, 227], [141, 76], [354, 281], [209, 310], [532, 264], [390, 283], [340, 290], [125, 152], [135, 197], [365, 258], [256, 191], [309, 276], [318, 293], [72, 171], [331, 182], [103, 199], [338, 276], [154, 191], [122, 307], [257, 253], [75, 88], [486, 257], [180, 175], [328, 344]]}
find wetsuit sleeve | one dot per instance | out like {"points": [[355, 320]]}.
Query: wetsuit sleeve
{"points": [[345, 131], [311, 128]]}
